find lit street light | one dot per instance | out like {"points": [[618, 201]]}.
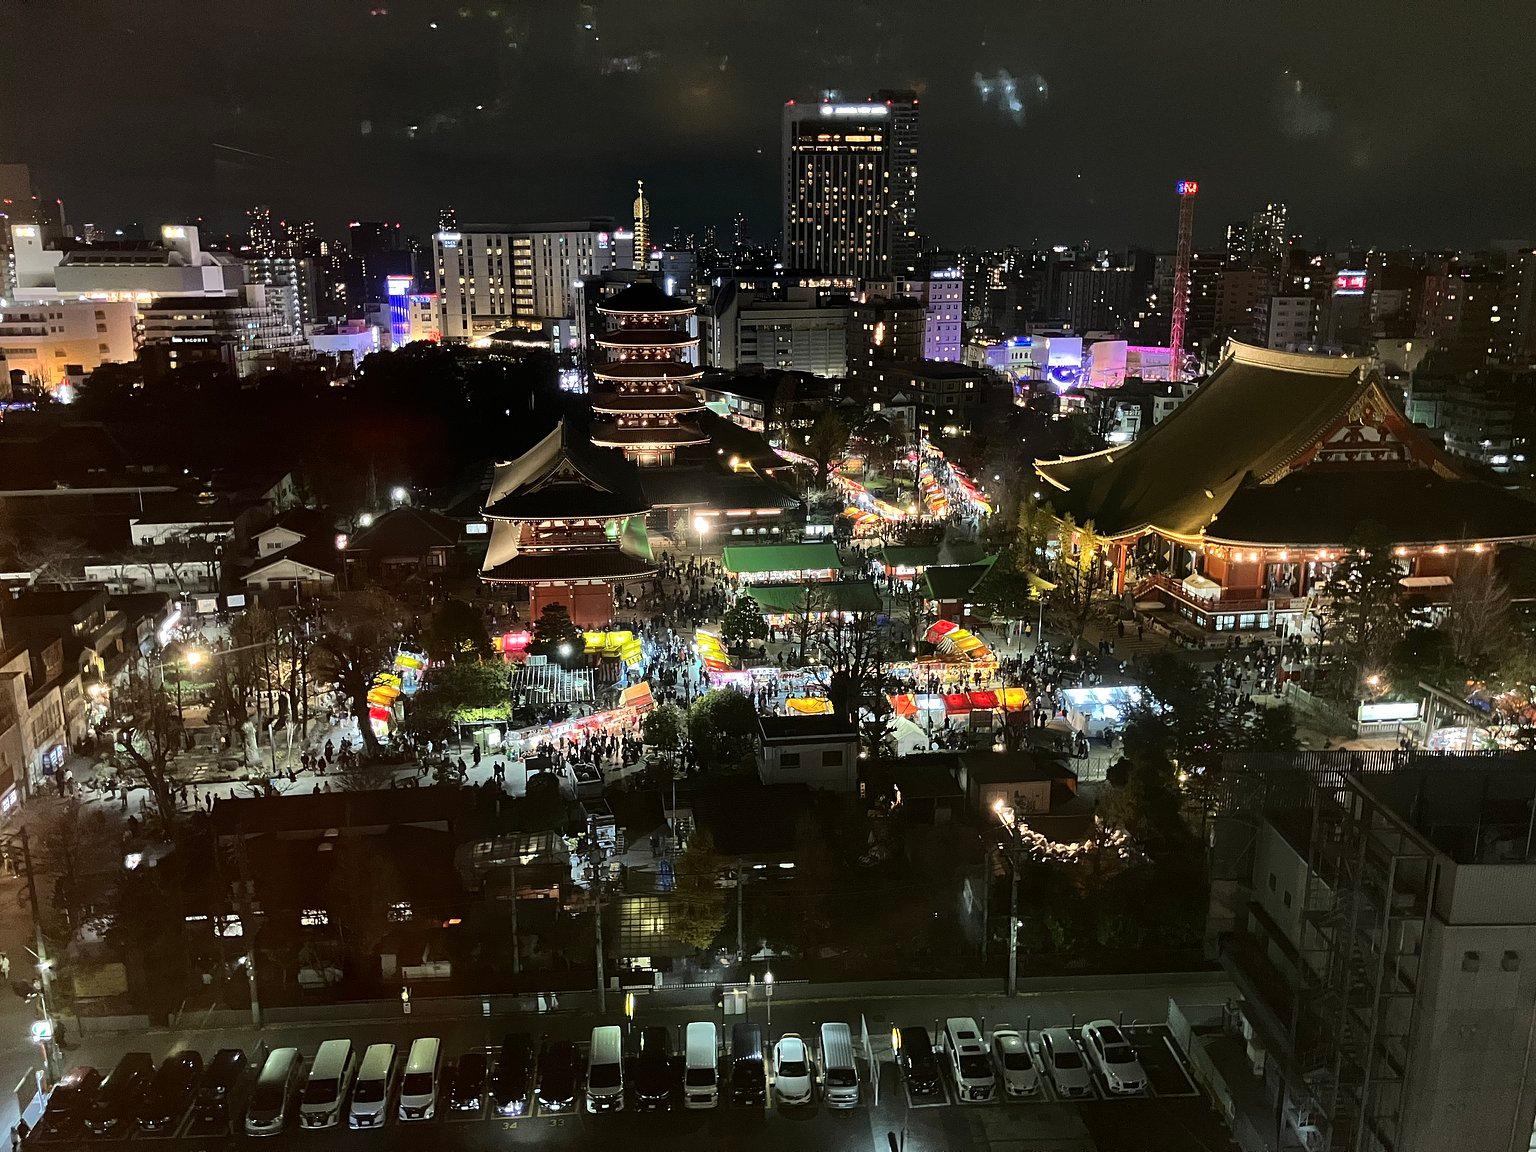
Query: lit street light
{"points": [[768, 988]]}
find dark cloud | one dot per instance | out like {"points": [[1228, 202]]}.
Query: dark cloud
{"points": [[146, 109]]}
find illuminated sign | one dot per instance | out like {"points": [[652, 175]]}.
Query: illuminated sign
{"points": [[398, 285], [1187, 187], [602, 239], [1389, 711], [24, 231], [448, 239], [174, 232], [854, 110], [1349, 284]]}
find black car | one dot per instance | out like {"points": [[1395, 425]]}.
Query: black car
{"points": [[117, 1100], [558, 1076], [69, 1101], [918, 1061], [171, 1093], [512, 1074], [468, 1090], [749, 1085], [219, 1082], [655, 1073]]}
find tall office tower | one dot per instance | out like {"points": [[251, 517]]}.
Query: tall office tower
{"points": [[1269, 244], [378, 252], [447, 218], [741, 237], [297, 238], [1187, 190], [838, 187], [261, 239], [642, 249], [906, 243]]}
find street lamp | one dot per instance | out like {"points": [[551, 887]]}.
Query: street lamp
{"points": [[399, 495], [1006, 817], [768, 989]]}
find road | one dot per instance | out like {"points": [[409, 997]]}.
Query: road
{"points": [[1042, 1124]]}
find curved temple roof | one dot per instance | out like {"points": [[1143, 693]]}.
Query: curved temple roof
{"points": [[1229, 463]]}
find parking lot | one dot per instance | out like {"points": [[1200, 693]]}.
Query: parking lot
{"points": [[1170, 1104]]}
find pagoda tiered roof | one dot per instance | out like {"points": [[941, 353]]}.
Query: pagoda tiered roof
{"points": [[1283, 448], [643, 298], [639, 371], [646, 338], [641, 403]]}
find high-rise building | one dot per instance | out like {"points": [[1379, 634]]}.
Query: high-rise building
{"points": [[261, 237], [850, 187], [490, 276], [447, 218], [642, 237], [378, 251]]}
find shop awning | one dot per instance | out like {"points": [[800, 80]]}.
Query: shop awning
{"points": [[1015, 699], [938, 630], [809, 705], [1425, 581], [984, 701], [904, 705], [957, 704], [637, 696]]}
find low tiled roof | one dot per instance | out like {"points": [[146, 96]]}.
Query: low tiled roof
{"points": [[574, 564], [754, 558]]}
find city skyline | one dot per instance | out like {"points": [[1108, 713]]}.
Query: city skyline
{"points": [[531, 115]]}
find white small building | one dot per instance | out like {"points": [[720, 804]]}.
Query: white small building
{"points": [[820, 752]]}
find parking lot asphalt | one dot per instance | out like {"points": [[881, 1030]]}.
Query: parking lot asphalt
{"points": [[1170, 1114]]}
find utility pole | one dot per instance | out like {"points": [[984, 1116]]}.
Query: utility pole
{"points": [[1013, 928], [986, 896], [247, 923], [517, 964], [45, 1035], [602, 983], [741, 880]]}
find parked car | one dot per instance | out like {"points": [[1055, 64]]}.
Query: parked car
{"points": [[914, 1052], [791, 1070], [1064, 1063], [118, 1098], [748, 1085], [468, 1089], [969, 1064], [69, 1101], [1015, 1066], [655, 1074], [559, 1072], [170, 1095], [1114, 1057], [220, 1079], [512, 1074]]}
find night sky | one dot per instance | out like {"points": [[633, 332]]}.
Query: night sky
{"points": [[1378, 122]]}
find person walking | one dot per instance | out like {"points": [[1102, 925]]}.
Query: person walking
{"points": [[5, 965]]}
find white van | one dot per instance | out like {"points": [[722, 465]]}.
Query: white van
{"points": [[329, 1078], [423, 1072], [272, 1098], [968, 1061], [375, 1084], [701, 1074], [839, 1073], [605, 1070]]}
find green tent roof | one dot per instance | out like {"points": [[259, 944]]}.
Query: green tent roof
{"points": [[833, 596], [750, 559]]}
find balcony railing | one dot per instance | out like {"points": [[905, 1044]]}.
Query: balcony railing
{"points": [[1225, 606]]}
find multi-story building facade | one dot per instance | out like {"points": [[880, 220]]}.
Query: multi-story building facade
{"points": [[49, 340], [839, 194], [883, 330], [491, 277], [798, 329], [1288, 323]]}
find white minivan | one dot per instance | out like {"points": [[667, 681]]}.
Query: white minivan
{"points": [[423, 1073], [605, 1070], [701, 1072], [375, 1084], [329, 1078], [968, 1061], [839, 1074], [272, 1097]]}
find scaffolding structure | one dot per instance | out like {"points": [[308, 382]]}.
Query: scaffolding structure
{"points": [[1367, 900]]}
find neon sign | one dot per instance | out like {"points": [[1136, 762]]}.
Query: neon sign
{"points": [[1187, 187], [1349, 284]]}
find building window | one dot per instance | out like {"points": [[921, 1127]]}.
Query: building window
{"points": [[789, 759], [832, 758], [1271, 881]]}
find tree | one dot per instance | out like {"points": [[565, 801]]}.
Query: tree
{"points": [[146, 737], [1009, 592], [359, 634], [743, 623], [456, 631], [698, 904], [558, 638], [52, 559], [361, 891], [663, 728], [825, 442], [1479, 624], [722, 724], [462, 693], [1083, 579], [853, 647], [1362, 614]]}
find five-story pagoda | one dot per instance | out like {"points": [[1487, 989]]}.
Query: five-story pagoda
{"points": [[642, 402]]}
